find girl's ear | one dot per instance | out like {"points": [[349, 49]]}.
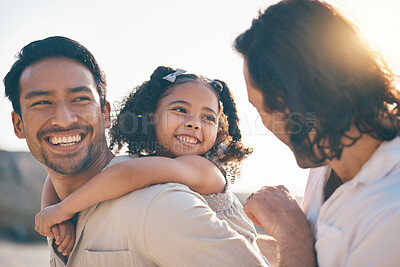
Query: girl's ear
{"points": [[18, 125]]}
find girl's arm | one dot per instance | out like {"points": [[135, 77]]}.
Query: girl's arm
{"points": [[64, 233], [49, 194], [198, 173]]}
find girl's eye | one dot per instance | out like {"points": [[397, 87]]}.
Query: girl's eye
{"points": [[209, 118], [181, 110]]}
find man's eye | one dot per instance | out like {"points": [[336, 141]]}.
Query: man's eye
{"points": [[80, 99], [41, 103]]}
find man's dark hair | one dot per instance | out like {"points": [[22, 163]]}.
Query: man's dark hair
{"points": [[51, 47], [306, 58]]}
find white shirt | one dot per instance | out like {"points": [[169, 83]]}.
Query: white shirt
{"points": [[359, 224]]}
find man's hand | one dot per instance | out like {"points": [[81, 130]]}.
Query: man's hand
{"points": [[49, 217], [276, 210], [273, 207]]}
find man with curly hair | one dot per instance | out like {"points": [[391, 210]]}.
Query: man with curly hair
{"points": [[324, 93]]}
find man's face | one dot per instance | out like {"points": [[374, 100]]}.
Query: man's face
{"points": [[275, 121], [62, 119]]}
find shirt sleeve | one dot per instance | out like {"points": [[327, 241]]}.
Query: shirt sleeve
{"points": [[182, 230]]}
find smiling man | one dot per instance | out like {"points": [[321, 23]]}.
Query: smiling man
{"points": [[58, 93]]}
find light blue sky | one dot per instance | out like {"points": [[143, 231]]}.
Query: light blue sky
{"points": [[131, 38]]}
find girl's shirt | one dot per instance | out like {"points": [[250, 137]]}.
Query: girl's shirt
{"points": [[228, 208]]}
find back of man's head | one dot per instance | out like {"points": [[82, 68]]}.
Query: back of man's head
{"points": [[311, 63], [51, 47]]}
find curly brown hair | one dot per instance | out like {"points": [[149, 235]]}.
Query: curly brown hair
{"points": [[134, 129]]}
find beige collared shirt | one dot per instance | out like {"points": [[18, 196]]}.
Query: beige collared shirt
{"points": [[359, 224], [160, 225]]}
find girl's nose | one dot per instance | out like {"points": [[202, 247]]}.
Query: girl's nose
{"points": [[193, 124]]}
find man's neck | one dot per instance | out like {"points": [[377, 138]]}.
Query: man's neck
{"points": [[66, 184], [354, 157]]}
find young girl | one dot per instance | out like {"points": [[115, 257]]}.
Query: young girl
{"points": [[184, 129]]}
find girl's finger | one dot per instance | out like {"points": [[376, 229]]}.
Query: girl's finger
{"points": [[65, 242], [69, 247], [56, 233]]}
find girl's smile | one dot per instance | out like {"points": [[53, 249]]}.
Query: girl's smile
{"points": [[186, 120], [188, 140]]}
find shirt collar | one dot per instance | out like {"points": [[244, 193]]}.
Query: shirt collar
{"points": [[379, 165]]}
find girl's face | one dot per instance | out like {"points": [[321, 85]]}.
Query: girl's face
{"points": [[186, 120]]}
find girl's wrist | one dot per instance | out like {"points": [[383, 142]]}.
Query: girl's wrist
{"points": [[64, 209]]}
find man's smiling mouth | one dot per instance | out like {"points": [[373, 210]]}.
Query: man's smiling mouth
{"points": [[64, 140]]}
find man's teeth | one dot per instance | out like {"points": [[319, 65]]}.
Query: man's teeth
{"points": [[65, 140], [187, 139]]}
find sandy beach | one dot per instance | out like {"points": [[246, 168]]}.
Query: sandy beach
{"points": [[15, 254]]}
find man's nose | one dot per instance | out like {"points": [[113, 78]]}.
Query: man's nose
{"points": [[63, 116]]}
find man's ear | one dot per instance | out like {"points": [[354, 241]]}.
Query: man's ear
{"points": [[107, 114], [150, 117], [18, 125]]}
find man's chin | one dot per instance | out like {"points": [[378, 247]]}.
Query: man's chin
{"points": [[306, 163], [67, 164], [67, 169]]}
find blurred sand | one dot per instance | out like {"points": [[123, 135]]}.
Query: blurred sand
{"points": [[13, 254]]}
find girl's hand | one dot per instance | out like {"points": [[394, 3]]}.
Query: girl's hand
{"points": [[64, 233], [50, 216]]}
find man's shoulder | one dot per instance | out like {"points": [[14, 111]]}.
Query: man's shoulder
{"points": [[151, 195], [168, 203], [162, 188], [119, 159]]}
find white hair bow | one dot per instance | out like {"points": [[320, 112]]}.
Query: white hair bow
{"points": [[172, 76]]}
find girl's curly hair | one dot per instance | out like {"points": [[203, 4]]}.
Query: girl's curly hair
{"points": [[134, 129]]}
